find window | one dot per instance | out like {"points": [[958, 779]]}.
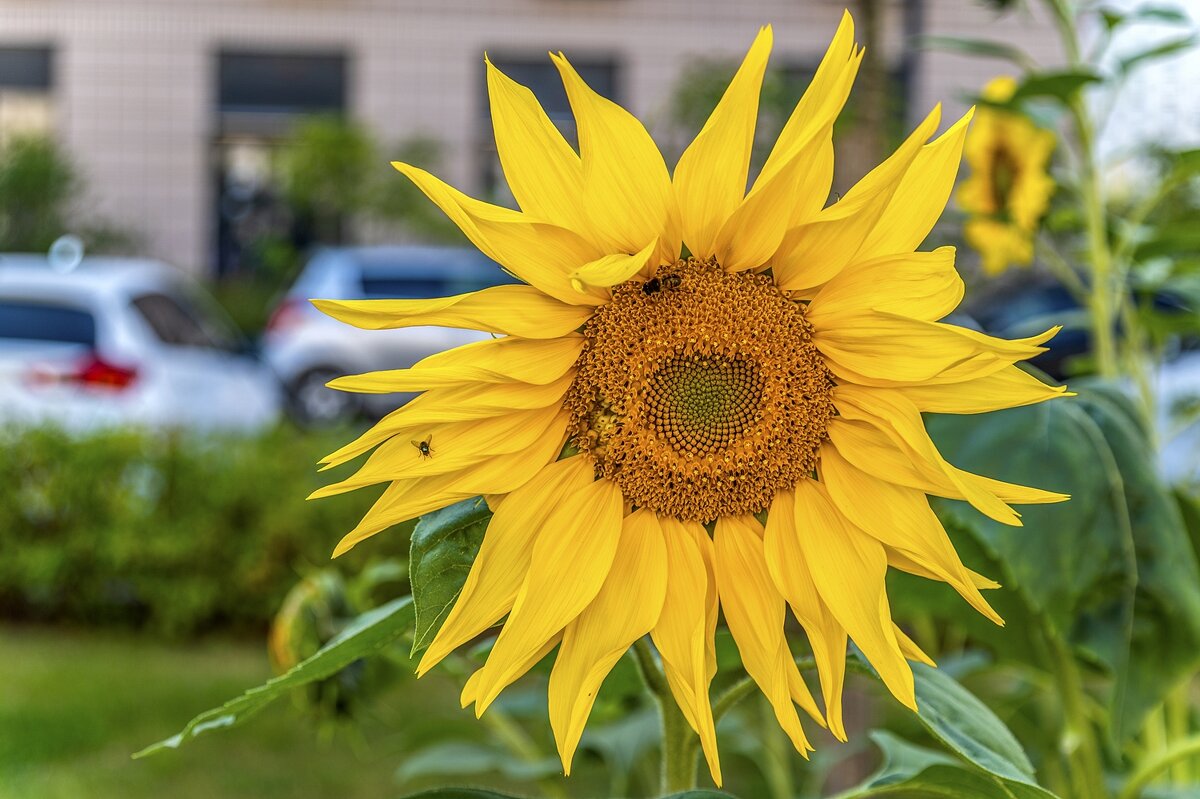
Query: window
{"points": [[31, 321], [263, 93], [260, 96], [542, 78], [25, 98], [174, 323]]}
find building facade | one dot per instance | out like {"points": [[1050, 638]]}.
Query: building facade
{"points": [[170, 106]]}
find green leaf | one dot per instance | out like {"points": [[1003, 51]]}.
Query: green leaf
{"points": [[444, 545], [950, 782], [1149, 13], [1111, 571], [460, 793], [369, 634], [956, 718], [1129, 63], [462, 758], [902, 759], [1061, 86], [913, 771], [700, 795], [984, 48]]}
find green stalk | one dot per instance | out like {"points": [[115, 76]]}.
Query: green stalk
{"points": [[1175, 753], [678, 753], [1102, 303], [1079, 738]]}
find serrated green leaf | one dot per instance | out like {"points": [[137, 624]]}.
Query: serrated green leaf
{"points": [[369, 634], [1061, 86], [984, 48], [444, 545], [1129, 63]]}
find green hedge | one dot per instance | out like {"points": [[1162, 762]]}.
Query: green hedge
{"points": [[174, 534]]}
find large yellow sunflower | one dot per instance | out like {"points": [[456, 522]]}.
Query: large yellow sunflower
{"points": [[777, 371], [1008, 189]]}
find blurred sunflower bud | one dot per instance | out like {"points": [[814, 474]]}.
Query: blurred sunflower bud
{"points": [[314, 612], [1009, 188]]}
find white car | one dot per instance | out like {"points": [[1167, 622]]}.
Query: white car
{"points": [[122, 342], [307, 349]]}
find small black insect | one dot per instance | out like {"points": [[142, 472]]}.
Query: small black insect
{"points": [[423, 446], [656, 284]]}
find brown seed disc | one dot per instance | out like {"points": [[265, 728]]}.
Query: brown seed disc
{"points": [[701, 393]]}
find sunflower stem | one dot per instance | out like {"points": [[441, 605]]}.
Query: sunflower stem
{"points": [[678, 754]]}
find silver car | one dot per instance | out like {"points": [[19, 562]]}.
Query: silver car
{"points": [[308, 349], [122, 342]]}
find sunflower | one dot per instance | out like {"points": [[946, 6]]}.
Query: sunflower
{"points": [[1008, 189], [665, 435]]}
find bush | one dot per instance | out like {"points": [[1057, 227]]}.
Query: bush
{"points": [[170, 533]]}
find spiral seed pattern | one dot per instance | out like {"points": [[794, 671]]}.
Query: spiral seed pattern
{"points": [[703, 397]]}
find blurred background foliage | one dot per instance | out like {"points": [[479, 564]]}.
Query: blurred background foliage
{"points": [[166, 534]]}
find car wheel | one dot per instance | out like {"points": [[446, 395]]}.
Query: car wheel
{"points": [[312, 404]]}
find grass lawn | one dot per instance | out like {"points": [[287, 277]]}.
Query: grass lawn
{"points": [[74, 705]]}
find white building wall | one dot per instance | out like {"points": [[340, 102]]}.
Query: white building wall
{"points": [[135, 79]]}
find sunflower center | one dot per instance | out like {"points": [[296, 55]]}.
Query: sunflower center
{"points": [[701, 393]]}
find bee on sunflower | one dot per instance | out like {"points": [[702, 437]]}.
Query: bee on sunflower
{"points": [[1008, 189], [668, 435]]}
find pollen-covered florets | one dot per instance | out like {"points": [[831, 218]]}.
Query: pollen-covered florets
{"points": [[701, 393]]}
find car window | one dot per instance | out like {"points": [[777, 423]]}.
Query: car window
{"points": [[32, 321], [178, 324], [403, 288]]}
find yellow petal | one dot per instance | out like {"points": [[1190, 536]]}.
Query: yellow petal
{"points": [[754, 611], [820, 105], [883, 348], [921, 196], [537, 252], [613, 269], [900, 560], [921, 285], [454, 447], [499, 474], [627, 190], [826, 636], [501, 360], [752, 233], [470, 691], [901, 424], [683, 634], [910, 649], [710, 178], [806, 142], [1011, 387], [454, 404], [508, 310], [900, 518], [813, 253], [570, 561], [625, 609], [503, 559], [848, 568], [544, 174]]}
